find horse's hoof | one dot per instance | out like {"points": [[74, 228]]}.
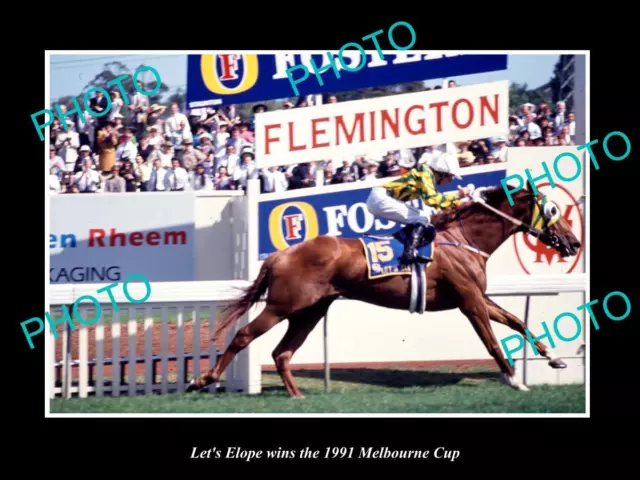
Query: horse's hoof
{"points": [[557, 363], [193, 387], [521, 387]]}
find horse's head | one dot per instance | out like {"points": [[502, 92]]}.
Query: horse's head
{"points": [[541, 217]]}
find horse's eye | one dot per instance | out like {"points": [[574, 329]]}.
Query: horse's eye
{"points": [[554, 211]]}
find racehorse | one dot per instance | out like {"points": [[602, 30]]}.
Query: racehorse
{"points": [[302, 281]]}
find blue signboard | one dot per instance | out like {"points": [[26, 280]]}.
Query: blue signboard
{"points": [[215, 80], [285, 222]]}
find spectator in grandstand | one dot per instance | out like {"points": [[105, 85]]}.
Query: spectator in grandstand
{"points": [[115, 184], [531, 126], [126, 172], [228, 159], [138, 110], [127, 149], [190, 157], [571, 124], [371, 172], [345, 173], [499, 149], [116, 104], [273, 180], [87, 180], [56, 164], [220, 138], [67, 144], [256, 109], [177, 178], [142, 172], [99, 104], [156, 181], [87, 129], [54, 181], [560, 116], [177, 127], [451, 84], [222, 180], [165, 155], [238, 142], [107, 142], [465, 157], [153, 116], [302, 176], [85, 152], [246, 170], [200, 180]]}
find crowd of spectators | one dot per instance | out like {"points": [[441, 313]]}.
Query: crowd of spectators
{"points": [[213, 149]]}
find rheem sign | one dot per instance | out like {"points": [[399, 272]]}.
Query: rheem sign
{"points": [[286, 137]]}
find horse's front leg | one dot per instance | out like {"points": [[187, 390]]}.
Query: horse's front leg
{"points": [[500, 315], [475, 309]]}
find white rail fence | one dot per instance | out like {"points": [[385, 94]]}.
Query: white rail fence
{"points": [[164, 317]]}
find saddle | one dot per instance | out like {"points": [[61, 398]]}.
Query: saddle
{"points": [[384, 259]]}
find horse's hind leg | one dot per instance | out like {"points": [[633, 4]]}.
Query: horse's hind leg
{"points": [[300, 325], [500, 315], [259, 326]]}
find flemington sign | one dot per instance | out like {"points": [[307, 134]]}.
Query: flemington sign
{"points": [[410, 120]]}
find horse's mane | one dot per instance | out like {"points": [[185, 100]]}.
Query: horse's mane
{"points": [[492, 195]]}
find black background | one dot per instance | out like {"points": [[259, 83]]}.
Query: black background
{"points": [[508, 446]]}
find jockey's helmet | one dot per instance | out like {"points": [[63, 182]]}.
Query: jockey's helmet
{"points": [[445, 162]]}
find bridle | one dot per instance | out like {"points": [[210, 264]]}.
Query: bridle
{"points": [[543, 234]]}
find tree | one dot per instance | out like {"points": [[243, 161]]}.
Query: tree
{"points": [[520, 93]]}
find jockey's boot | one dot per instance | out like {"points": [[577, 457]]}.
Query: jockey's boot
{"points": [[410, 254]]}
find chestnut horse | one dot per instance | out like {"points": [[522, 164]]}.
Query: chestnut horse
{"points": [[302, 281]]}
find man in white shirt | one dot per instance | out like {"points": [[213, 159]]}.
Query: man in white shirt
{"points": [[230, 159], [571, 123], [177, 178], [247, 170], [128, 149], [87, 180], [499, 152], [67, 144], [177, 127], [560, 117], [156, 179], [532, 127], [273, 180]]}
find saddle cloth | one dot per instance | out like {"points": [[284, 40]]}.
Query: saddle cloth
{"points": [[383, 255]]}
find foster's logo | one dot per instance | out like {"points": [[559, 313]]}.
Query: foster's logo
{"points": [[229, 73], [292, 223]]}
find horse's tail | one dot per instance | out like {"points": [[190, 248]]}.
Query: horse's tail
{"points": [[250, 295]]}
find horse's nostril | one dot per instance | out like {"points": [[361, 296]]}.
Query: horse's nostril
{"points": [[576, 245]]}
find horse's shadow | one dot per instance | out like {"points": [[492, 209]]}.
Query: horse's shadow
{"points": [[396, 378]]}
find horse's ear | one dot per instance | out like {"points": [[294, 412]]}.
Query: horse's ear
{"points": [[527, 186]]}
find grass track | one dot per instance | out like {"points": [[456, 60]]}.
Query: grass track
{"points": [[372, 390]]}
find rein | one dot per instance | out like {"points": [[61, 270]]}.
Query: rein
{"points": [[519, 223]]}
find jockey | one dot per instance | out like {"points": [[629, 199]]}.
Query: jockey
{"points": [[388, 200]]}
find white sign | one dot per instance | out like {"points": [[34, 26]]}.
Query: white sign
{"points": [[286, 137], [104, 238]]}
